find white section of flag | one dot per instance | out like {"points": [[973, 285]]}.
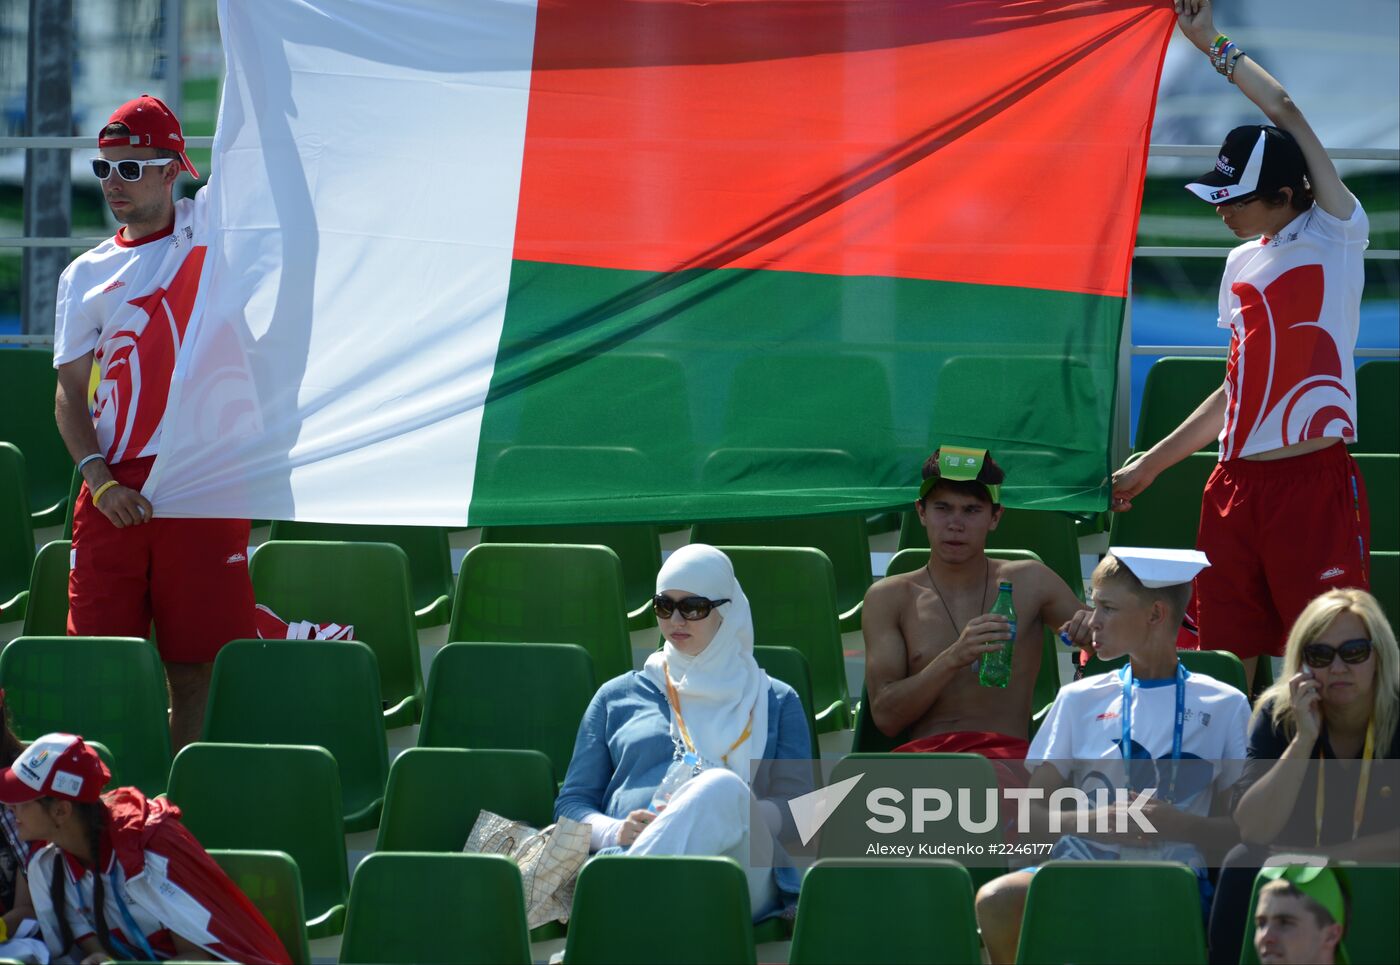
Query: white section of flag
{"points": [[366, 175]]}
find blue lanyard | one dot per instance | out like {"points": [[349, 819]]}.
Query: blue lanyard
{"points": [[131, 928], [1126, 745]]}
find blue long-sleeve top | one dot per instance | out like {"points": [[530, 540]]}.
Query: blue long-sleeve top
{"points": [[624, 748]]}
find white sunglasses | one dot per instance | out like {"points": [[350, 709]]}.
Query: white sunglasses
{"points": [[129, 170]]}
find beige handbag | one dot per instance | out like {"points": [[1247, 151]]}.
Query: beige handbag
{"points": [[549, 860]]}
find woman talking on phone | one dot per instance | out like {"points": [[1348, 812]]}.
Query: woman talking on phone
{"points": [[1307, 786]]}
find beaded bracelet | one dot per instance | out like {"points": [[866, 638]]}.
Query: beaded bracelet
{"points": [[1234, 62]]}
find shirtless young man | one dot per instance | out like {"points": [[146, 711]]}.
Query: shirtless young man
{"points": [[925, 631]]}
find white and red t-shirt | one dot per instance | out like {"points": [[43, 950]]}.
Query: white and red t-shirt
{"points": [[107, 299], [1293, 306]]}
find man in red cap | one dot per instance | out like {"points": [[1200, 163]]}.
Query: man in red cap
{"points": [[1284, 516], [126, 304]]}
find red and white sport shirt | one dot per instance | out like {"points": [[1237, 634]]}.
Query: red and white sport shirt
{"points": [[129, 304], [1293, 307]]}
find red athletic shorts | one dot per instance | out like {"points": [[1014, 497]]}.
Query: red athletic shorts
{"points": [[188, 575], [1278, 533]]}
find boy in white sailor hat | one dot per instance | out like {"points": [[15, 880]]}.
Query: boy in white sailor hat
{"points": [[1151, 724]]}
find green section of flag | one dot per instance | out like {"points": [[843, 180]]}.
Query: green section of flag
{"points": [[626, 396]]}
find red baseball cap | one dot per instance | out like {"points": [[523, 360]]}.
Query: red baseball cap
{"points": [[151, 124], [55, 765]]}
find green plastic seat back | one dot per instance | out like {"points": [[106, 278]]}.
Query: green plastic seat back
{"points": [[1385, 583], [414, 908], [111, 689], [16, 527], [1371, 937], [1382, 474], [525, 696], [792, 593], [1144, 912], [26, 419], [360, 584], [788, 665], [843, 539], [1167, 513], [75, 486], [1377, 401], [915, 911], [429, 556], [606, 928], [637, 545], [545, 593], [1220, 664], [321, 692], [436, 793], [47, 613], [272, 882], [271, 797], [1175, 386]]}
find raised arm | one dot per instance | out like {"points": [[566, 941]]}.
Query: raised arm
{"points": [[1331, 195]]}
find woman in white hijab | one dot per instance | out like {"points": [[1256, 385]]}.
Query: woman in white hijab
{"points": [[662, 760]]}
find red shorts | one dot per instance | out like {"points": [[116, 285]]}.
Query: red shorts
{"points": [[188, 575], [1278, 533]]}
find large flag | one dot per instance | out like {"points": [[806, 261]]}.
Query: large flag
{"points": [[608, 260]]}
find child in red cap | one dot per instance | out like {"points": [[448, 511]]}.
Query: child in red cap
{"points": [[155, 893]]}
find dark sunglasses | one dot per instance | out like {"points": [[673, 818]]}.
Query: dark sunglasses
{"points": [[129, 170], [1351, 651], [691, 607]]}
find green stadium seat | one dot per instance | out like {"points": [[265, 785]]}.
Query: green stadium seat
{"points": [[867, 738], [74, 487], [1220, 664], [851, 911], [843, 539], [1049, 535], [637, 545], [1047, 681], [1167, 513], [272, 882], [320, 692], [788, 665], [545, 593], [1144, 912], [793, 596], [444, 909], [360, 584], [1175, 386], [47, 612], [525, 696], [1371, 936], [1377, 401], [16, 533], [429, 558], [1382, 474], [1385, 583], [436, 793], [271, 797], [26, 420], [607, 928], [111, 689]]}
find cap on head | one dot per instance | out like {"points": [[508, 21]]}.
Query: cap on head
{"points": [[958, 464], [1156, 568], [151, 124], [55, 765], [1255, 159], [1318, 882]]}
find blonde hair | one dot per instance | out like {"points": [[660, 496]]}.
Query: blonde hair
{"points": [[1316, 617], [1175, 597]]}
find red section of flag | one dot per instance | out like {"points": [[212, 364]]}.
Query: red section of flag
{"points": [[990, 141]]}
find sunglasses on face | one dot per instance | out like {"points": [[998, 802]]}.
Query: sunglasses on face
{"points": [[1351, 651], [129, 170], [691, 607]]}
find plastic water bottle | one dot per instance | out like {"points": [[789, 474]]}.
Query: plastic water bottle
{"points": [[994, 670], [683, 768]]}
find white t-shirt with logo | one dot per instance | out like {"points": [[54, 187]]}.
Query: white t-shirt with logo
{"points": [[108, 299], [1082, 736], [1292, 304]]}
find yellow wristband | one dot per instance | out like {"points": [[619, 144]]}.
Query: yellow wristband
{"points": [[97, 496]]}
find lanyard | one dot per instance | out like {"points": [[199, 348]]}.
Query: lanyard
{"points": [[674, 699], [1363, 785], [144, 953], [1126, 744]]}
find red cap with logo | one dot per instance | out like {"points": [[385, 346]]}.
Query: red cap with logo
{"points": [[151, 124], [55, 765]]}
